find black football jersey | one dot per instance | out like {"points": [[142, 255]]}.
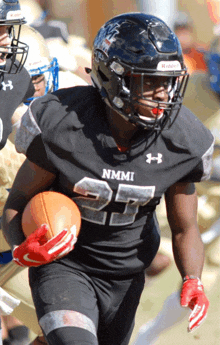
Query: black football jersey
{"points": [[14, 89], [117, 192]]}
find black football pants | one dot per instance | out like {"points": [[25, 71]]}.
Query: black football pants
{"points": [[74, 308]]}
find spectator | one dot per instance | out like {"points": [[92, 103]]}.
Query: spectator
{"points": [[193, 53]]}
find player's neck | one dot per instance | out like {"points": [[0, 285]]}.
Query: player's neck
{"points": [[122, 130]]}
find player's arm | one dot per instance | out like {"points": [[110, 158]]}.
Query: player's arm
{"points": [[30, 180], [35, 250], [181, 203]]}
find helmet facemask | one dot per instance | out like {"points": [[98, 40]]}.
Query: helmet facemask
{"points": [[141, 95], [125, 100], [17, 53], [13, 53], [50, 72]]}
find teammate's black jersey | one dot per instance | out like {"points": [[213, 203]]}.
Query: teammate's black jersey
{"points": [[66, 133], [14, 89]]}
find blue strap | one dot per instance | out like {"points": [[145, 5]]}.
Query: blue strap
{"points": [[5, 257]]}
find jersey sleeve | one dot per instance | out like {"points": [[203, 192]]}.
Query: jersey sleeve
{"points": [[46, 132], [193, 143], [31, 134], [203, 169], [14, 90]]}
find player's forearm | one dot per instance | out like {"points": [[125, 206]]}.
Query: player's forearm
{"points": [[188, 252], [11, 227]]}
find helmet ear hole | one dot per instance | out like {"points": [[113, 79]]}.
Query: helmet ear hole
{"points": [[127, 81]]}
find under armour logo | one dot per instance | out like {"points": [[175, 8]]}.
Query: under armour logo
{"points": [[158, 159], [10, 85]]}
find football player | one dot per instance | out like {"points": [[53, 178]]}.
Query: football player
{"points": [[115, 148], [40, 65], [15, 82], [44, 70], [41, 68], [70, 50], [46, 77]]}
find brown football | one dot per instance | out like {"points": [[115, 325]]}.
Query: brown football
{"points": [[54, 209]]}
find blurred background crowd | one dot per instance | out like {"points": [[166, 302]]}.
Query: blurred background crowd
{"points": [[66, 31]]}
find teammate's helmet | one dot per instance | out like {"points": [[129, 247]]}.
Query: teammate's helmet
{"points": [[32, 11], [11, 16], [39, 61], [134, 44]]}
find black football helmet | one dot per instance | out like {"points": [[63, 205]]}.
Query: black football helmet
{"points": [[137, 44], [11, 15]]}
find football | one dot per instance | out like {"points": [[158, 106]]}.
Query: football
{"points": [[56, 210]]}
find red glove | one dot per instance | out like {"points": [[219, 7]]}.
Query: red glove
{"points": [[193, 296], [36, 250]]}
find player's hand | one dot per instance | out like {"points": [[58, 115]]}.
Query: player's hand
{"points": [[36, 250], [193, 296]]}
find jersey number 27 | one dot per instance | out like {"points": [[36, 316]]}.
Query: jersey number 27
{"points": [[101, 195]]}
